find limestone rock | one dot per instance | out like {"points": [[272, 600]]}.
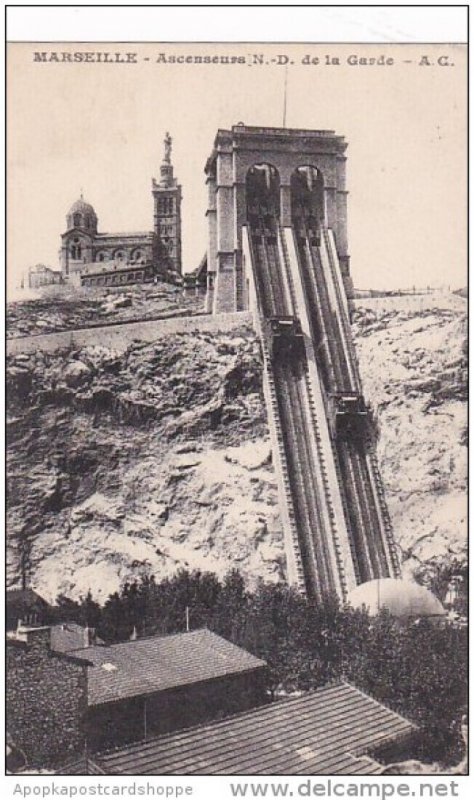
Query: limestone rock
{"points": [[159, 457], [422, 418], [76, 374]]}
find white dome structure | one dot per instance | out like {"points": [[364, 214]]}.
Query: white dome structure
{"points": [[402, 598]]}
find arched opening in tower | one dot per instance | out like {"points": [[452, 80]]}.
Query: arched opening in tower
{"points": [[307, 202], [262, 189]]}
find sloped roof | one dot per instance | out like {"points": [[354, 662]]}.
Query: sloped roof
{"points": [[24, 596], [21, 602], [201, 268], [330, 731], [158, 663], [99, 237]]}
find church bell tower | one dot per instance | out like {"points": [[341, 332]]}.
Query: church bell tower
{"points": [[167, 212]]}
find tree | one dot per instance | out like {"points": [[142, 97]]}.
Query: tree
{"points": [[416, 668]]}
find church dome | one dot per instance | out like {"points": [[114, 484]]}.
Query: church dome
{"points": [[82, 215], [401, 598], [81, 207]]}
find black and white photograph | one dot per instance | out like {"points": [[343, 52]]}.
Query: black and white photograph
{"points": [[236, 409]]}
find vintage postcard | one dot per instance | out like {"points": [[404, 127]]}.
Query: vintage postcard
{"points": [[236, 411]]}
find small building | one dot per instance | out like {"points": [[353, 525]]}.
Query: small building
{"points": [[46, 699], [159, 684], [26, 606], [41, 275], [335, 730], [69, 694]]}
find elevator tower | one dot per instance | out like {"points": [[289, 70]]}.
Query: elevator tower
{"points": [[235, 152]]}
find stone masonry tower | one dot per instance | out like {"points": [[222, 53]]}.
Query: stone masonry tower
{"points": [[235, 153], [167, 210]]}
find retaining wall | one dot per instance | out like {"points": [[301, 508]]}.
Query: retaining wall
{"points": [[411, 302], [119, 337]]}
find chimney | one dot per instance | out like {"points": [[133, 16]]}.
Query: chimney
{"points": [[89, 636], [39, 638]]}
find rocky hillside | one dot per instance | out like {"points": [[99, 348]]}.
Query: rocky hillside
{"points": [[145, 460], [413, 360], [158, 457], [60, 308]]}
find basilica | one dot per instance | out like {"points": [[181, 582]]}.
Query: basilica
{"points": [[89, 257]]}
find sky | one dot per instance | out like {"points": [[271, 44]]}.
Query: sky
{"points": [[99, 128]]}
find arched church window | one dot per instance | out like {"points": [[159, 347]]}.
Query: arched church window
{"points": [[75, 249], [77, 219]]}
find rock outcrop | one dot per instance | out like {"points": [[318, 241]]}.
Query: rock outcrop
{"points": [[149, 460], [413, 362], [60, 308], [159, 458]]}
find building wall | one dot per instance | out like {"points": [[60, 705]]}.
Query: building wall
{"points": [[47, 277], [120, 277], [113, 724], [114, 248], [406, 748], [196, 704], [46, 701], [102, 249]]}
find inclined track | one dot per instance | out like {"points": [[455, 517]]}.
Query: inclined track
{"points": [[318, 549], [303, 456], [366, 512]]}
